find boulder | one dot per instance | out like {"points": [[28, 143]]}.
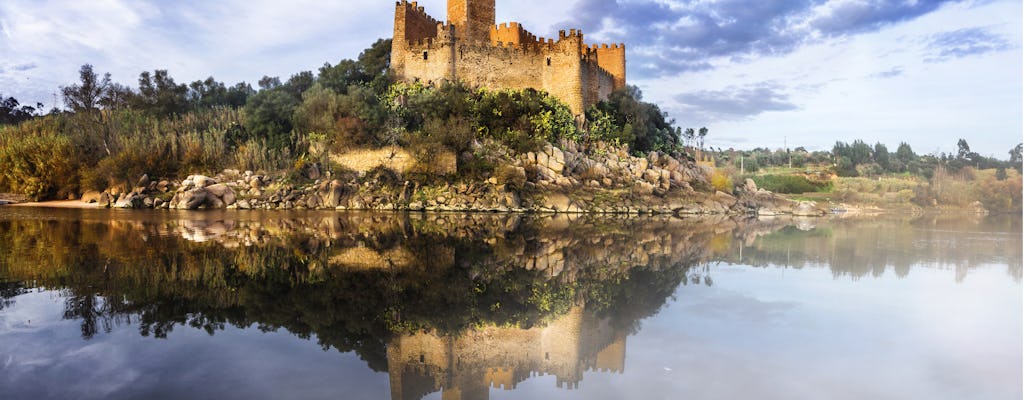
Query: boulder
{"points": [[126, 200], [556, 201], [640, 167], [651, 176], [201, 181], [332, 194], [807, 209], [223, 192], [749, 186], [672, 164], [91, 196], [314, 202], [193, 199], [645, 188], [105, 200]]}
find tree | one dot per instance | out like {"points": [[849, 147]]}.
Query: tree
{"points": [[702, 133], [210, 93], [371, 68], [12, 112], [1015, 157], [963, 149], [881, 156], [644, 127], [845, 167], [689, 135], [160, 95], [270, 112], [905, 154], [85, 96], [860, 152]]}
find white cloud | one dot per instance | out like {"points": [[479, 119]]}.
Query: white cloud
{"points": [[835, 85]]}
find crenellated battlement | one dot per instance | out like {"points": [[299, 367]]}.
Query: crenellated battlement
{"points": [[470, 47], [621, 46], [573, 33], [414, 10]]}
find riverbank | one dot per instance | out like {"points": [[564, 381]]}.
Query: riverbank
{"points": [[567, 178]]}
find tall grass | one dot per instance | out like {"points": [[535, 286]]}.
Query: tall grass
{"points": [[61, 155]]}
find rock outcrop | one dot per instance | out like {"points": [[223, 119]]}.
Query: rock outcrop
{"points": [[568, 178]]}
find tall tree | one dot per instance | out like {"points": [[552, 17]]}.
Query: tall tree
{"points": [[159, 94], [371, 68], [905, 154], [962, 149], [86, 95], [1015, 157], [881, 156]]}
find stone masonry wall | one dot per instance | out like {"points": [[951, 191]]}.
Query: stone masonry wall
{"points": [[505, 56]]}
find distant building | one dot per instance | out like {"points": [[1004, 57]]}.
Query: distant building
{"points": [[471, 48]]}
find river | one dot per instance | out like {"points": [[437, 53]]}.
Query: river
{"points": [[109, 304]]}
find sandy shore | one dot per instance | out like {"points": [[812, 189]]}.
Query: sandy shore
{"points": [[56, 204]]}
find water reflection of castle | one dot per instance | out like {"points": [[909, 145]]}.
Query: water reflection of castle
{"points": [[468, 366]]}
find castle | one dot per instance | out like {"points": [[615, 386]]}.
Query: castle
{"points": [[471, 48]]}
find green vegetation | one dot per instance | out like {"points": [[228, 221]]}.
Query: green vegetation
{"points": [[790, 184], [111, 134], [860, 173]]}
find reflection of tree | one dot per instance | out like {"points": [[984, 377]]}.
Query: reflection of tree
{"points": [[869, 247], [370, 283], [352, 281], [8, 291]]}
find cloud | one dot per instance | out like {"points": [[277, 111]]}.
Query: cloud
{"points": [[24, 67], [855, 16], [891, 73], [733, 103], [667, 38], [964, 43]]}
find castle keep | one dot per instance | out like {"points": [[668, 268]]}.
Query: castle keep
{"points": [[469, 47]]}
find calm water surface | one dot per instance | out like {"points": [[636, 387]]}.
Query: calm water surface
{"points": [[123, 305]]}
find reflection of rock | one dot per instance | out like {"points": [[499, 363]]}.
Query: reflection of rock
{"points": [[364, 258], [199, 192]]}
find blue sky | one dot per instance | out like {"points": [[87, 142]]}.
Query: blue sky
{"points": [[756, 73]]}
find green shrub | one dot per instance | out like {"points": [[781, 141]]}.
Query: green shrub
{"points": [[790, 184], [42, 166]]}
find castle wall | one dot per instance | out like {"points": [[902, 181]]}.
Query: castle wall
{"points": [[473, 19], [473, 50], [412, 24], [512, 33], [564, 77], [613, 59], [482, 64]]}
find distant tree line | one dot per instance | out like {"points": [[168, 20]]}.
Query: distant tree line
{"points": [[861, 159]]}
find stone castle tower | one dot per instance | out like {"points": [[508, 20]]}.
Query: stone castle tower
{"points": [[471, 48]]}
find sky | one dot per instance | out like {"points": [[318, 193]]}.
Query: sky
{"points": [[764, 73]]}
